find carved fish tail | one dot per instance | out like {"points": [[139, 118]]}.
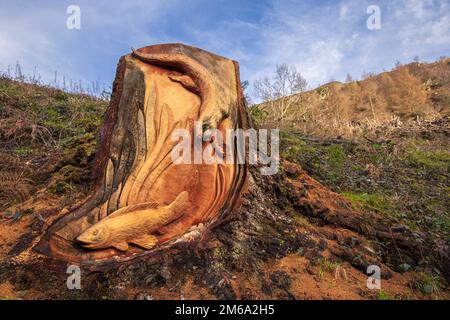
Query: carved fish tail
{"points": [[180, 204]]}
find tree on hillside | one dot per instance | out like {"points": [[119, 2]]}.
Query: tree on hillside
{"points": [[366, 75], [413, 95], [279, 93], [248, 99], [370, 94], [348, 78]]}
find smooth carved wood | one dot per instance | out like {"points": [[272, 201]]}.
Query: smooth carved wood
{"points": [[157, 90]]}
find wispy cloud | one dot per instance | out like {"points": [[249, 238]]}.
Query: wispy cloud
{"points": [[323, 39], [327, 40], [35, 35]]}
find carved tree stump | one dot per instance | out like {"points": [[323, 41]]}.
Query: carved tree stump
{"points": [[157, 90]]}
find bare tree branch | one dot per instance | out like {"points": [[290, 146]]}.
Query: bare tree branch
{"points": [[280, 92]]}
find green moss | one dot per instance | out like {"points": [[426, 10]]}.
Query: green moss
{"points": [[411, 224], [9, 88], [301, 220], [357, 167], [336, 158], [60, 188], [434, 160], [22, 151], [88, 122], [377, 145], [72, 174], [384, 296], [444, 223], [53, 119], [336, 155], [294, 149], [379, 157], [377, 202], [61, 96], [436, 205]]}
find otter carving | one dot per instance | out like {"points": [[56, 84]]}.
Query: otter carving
{"points": [[149, 202], [214, 107]]}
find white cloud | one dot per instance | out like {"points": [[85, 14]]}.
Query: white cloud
{"points": [[329, 41], [343, 12], [23, 41], [419, 8], [422, 28], [322, 39], [35, 35]]}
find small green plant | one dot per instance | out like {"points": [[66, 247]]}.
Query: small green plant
{"points": [[22, 151], [357, 167], [336, 158], [302, 220], [336, 155], [429, 282], [61, 96], [437, 160], [294, 149], [384, 296], [326, 265], [60, 187], [323, 92], [258, 116]]}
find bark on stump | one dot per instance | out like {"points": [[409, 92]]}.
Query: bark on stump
{"points": [[157, 90]]}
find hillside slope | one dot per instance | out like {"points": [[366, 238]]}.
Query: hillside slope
{"points": [[47, 138], [416, 90]]}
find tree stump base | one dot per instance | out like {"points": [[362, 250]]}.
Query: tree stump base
{"points": [[158, 90]]}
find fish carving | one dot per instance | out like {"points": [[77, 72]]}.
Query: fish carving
{"points": [[133, 224]]}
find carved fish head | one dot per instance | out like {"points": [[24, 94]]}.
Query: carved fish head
{"points": [[96, 236]]}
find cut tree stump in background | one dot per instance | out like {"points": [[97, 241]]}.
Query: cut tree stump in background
{"points": [[157, 90]]}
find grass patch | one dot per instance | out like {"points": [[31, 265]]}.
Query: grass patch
{"points": [[326, 265], [429, 283], [336, 155], [376, 202], [433, 160], [336, 158], [294, 149], [301, 220], [384, 296], [22, 151], [444, 223], [51, 131], [32, 115]]}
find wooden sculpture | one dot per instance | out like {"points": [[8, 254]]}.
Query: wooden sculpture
{"points": [[141, 197], [133, 224]]}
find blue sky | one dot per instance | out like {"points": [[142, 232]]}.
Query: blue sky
{"points": [[324, 40]]}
